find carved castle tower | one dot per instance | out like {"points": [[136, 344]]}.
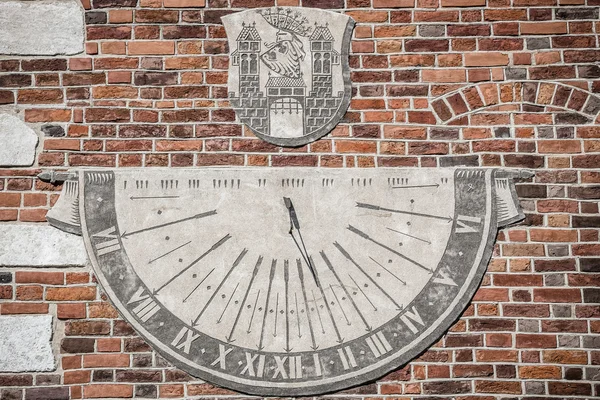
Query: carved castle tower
{"points": [[246, 56], [323, 58]]}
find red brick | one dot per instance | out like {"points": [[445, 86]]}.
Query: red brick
{"points": [[24, 308], [151, 48], [71, 293], [485, 59], [103, 391], [543, 28], [105, 360], [71, 311], [557, 295], [48, 278]]}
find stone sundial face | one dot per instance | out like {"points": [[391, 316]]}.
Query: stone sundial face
{"points": [[291, 282]]}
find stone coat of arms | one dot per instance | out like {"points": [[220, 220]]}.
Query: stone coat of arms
{"points": [[289, 78]]}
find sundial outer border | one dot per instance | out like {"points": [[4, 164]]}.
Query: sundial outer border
{"points": [[419, 344], [344, 104]]}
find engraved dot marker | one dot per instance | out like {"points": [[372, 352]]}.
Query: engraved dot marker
{"points": [[159, 212], [181, 260], [194, 276], [167, 238], [223, 296]]}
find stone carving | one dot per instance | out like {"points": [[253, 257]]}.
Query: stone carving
{"points": [[290, 282], [17, 142], [289, 78], [41, 27], [25, 343]]}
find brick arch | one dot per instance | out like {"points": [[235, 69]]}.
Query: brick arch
{"points": [[568, 104]]}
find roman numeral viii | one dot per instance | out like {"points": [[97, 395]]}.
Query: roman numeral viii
{"points": [[109, 241], [146, 306]]}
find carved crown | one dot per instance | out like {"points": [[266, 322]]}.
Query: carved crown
{"points": [[287, 19]]}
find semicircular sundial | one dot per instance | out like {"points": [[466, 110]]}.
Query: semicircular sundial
{"points": [[289, 281]]}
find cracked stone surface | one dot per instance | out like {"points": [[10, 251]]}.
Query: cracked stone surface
{"points": [[44, 27], [17, 140], [25, 343]]}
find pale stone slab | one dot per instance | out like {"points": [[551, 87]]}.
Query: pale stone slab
{"points": [[25, 343], [17, 140], [39, 246], [45, 27]]}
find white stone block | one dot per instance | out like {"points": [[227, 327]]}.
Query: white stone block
{"points": [[25, 343], [17, 140], [43, 27], [39, 246]]}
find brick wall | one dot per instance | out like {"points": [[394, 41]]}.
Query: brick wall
{"points": [[436, 83]]}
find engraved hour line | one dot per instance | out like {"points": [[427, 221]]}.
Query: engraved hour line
{"points": [[276, 316], [198, 285], [416, 186], [335, 327], [253, 312], [235, 264], [363, 293], [365, 236], [152, 197], [286, 278], [410, 236], [197, 216], [264, 320], [318, 311], [378, 208], [386, 294], [348, 295], [387, 270], [169, 252], [297, 315], [243, 302], [308, 312], [212, 248], [337, 300], [228, 302]]}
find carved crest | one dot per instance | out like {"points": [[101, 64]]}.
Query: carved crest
{"points": [[289, 78]]}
